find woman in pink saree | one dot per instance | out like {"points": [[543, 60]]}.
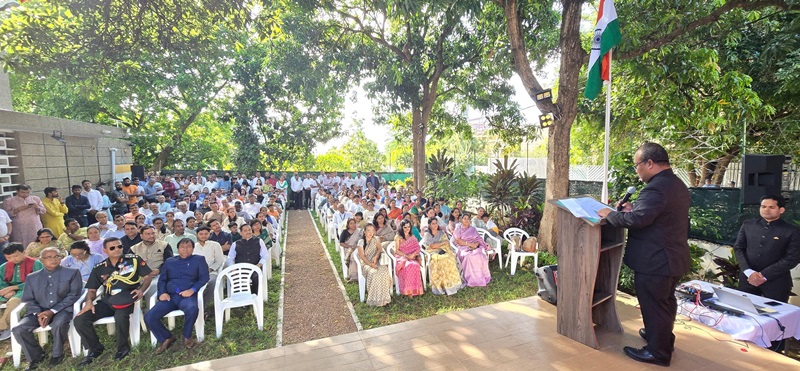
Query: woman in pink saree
{"points": [[407, 255], [471, 247]]}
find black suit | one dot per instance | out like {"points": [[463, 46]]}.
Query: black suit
{"points": [[658, 252], [772, 249]]}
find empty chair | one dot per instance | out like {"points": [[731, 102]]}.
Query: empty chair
{"points": [[236, 293], [495, 243], [515, 237]]}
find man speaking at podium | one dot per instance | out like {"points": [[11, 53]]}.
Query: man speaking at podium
{"points": [[657, 249]]}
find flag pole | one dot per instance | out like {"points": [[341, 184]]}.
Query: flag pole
{"points": [[605, 197]]}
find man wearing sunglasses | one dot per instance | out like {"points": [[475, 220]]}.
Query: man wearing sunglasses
{"points": [[125, 278]]}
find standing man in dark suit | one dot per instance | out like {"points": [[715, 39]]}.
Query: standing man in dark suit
{"points": [[767, 249], [657, 249], [48, 307]]}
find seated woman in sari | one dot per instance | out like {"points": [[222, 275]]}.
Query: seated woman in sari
{"points": [[378, 276], [474, 263], [445, 278], [407, 255], [383, 229], [348, 240]]}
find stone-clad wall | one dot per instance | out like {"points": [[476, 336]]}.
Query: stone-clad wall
{"points": [[39, 157], [44, 164]]}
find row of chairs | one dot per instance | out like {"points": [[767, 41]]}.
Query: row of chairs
{"points": [[233, 280]]}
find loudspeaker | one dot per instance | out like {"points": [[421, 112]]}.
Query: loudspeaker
{"points": [[548, 283], [137, 171], [761, 175]]}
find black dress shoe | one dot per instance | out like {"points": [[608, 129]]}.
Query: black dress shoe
{"points": [[643, 333], [56, 360], [644, 355], [90, 357], [33, 365], [122, 353]]}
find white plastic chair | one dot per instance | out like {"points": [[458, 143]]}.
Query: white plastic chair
{"points": [[362, 281], [330, 225], [16, 347], [422, 267], [199, 325], [494, 243], [515, 252], [135, 320], [237, 279]]}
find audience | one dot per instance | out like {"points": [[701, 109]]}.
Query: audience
{"points": [[80, 258], [48, 306], [14, 273], [249, 249], [378, 277], [471, 247], [407, 255], [348, 241], [181, 278], [44, 238], [444, 275]]}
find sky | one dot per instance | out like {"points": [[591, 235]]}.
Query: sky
{"points": [[361, 108]]}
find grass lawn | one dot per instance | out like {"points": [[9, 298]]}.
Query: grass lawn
{"points": [[239, 335], [503, 287]]}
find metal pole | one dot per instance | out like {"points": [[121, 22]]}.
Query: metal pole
{"points": [[604, 197]]}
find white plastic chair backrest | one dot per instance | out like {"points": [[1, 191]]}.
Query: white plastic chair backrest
{"points": [[514, 233], [238, 277]]}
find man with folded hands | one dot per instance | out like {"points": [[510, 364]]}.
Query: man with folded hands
{"points": [[49, 294], [181, 278]]}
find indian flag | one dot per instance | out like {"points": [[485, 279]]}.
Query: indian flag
{"points": [[606, 36]]}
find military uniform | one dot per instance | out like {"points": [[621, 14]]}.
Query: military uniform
{"points": [[119, 282]]}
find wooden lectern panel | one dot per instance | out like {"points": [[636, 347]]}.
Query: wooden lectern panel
{"points": [[589, 260]]}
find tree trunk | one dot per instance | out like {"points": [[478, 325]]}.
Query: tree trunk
{"points": [[557, 182], [418, 146], [722, 165], [161, 161], [691, 172]]}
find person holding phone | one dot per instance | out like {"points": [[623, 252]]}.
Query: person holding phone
{"points": [[25, 211]]}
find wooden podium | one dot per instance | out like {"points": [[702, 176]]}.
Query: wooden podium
{"points": [[589, 261]]}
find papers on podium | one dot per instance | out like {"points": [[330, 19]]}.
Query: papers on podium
{"points": [[583, 207]]}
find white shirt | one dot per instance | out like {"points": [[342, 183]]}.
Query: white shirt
{"points": [[4, 220], [361, 182], [95, 199], [262, 252], [369, 215], [338, 217], [307, 183], [212, 251], [183, 216], [296, 184], [253, 208], [210, 185], [104, 229], [195, 187]]}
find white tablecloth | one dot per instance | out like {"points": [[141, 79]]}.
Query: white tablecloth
{"points": [[758, 329]]}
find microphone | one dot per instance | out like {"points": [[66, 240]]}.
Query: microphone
{"points": [[628, 194]]}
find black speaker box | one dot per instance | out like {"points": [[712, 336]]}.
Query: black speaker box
{"points": [[761, 175], [137, 171]]}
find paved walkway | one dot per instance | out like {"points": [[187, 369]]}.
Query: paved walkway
{"points": [[314, 308], [515, 335]]}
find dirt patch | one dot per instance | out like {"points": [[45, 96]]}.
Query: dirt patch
{"points": [[314, 308]]}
